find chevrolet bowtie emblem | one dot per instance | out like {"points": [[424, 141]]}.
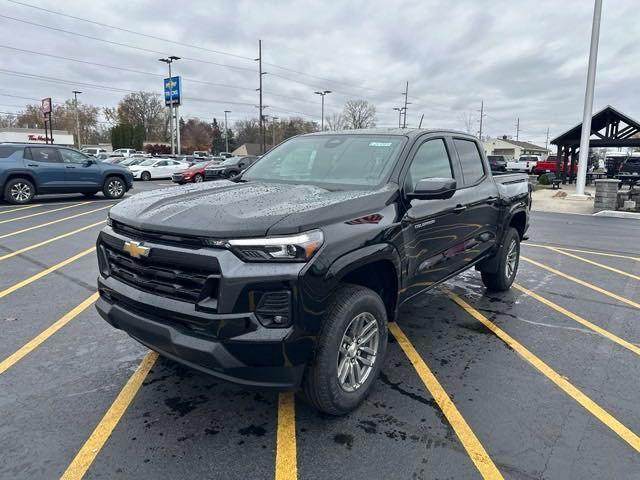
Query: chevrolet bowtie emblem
{"points": [[136, 250]]}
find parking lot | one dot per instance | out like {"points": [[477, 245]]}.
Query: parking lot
{"points": [[538, 382]]}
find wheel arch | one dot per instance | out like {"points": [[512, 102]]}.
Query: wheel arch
{"points": [[20, 174]]}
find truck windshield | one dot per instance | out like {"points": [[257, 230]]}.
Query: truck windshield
{"points": [[338, 160]]}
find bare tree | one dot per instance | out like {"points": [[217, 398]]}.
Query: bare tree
{"points": [[334, 122], [146, 109], [64, 118], [359, 114], [468, 121]]}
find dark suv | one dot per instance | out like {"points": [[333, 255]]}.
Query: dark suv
{"points": [[631, 166], [231, 167], [27, 170]]}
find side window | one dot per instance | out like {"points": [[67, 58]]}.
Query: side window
{"points": [[430, 161], [43, 154], [7, 151], [162, 163], [71, 156], [472, 167]]}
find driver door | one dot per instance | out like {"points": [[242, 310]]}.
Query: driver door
{"points": [[431, 229], [80, 172]]}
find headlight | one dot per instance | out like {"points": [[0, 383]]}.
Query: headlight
{"points": [[294, 248], [109, 221]]}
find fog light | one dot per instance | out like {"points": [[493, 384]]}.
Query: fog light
{"points": [[274, 309]]}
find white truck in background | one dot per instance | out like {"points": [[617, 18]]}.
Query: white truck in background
{"points": [[526, 163]]}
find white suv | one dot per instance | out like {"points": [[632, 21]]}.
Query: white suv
{"points": [[124, 151]]}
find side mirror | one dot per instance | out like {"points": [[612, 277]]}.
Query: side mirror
{"points": [[433, 188], [89, 161]]}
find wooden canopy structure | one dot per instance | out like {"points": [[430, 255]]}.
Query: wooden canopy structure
{"points": [[609, 128]]}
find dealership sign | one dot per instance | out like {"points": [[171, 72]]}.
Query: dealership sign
{"points": [[172, 91], [46, 106]]}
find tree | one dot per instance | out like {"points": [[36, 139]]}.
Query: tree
{"points": [[334, 122], [126, 135], [359, 114], [142, 108], [195, 135], [217, 138], [468, 121], [297, 126], [248, 131]]}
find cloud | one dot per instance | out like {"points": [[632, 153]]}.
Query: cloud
{"points": [[525, 59]]}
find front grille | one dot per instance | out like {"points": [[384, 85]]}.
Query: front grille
{"points": [[187, 284], [157, 237]]}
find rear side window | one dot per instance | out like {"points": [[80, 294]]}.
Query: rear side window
{"points": [[7, 150], [470, 159], [44, 154]]}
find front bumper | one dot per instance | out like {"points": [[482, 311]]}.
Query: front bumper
{"points": [[228, 341]]}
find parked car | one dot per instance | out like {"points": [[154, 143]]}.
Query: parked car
{"points": [[613, 162], [131, 161], [287, 281], [201, 153], [195, 174], [230, 167], [549, 165], [101, 156], [93, 151], [631, 166], [498, 163], [27, 170], [525, 163], [152, 169], [126, 152]]}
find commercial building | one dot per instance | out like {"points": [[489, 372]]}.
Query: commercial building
{"points": [[34, 135], [515, 148]]}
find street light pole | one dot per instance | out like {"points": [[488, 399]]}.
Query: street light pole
{"points": [[172, 131], [322, 94], [226, 135], [75, 101], [583, 159]]}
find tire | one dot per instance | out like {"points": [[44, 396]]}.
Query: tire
{"points": [[507, 269], [197, 178], [19, 191], [145, 176], [232, 173], [321, 386], [114, 188]]}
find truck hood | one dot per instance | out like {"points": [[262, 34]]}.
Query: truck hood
{"points": [[226, 209]]}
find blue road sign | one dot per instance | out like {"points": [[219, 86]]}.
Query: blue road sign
{"points": [[172, 90]]}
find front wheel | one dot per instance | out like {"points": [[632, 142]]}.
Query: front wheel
{"points": [[19, 191], [145, 176], [113, 188], [508, 261], [350, 352], [197, 178], [232, 174]]}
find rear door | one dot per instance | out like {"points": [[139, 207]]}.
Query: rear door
{"points": [[47, 166], [478, 200], [431, 229], [80, 174]]}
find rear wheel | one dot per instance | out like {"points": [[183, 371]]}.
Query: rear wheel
{"points": [[145, 176], [508, 261], [350, 352], [198, 178], [19, 191], [113, 187], [232, 173]]}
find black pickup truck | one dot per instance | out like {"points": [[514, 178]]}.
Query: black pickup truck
{"points": [[287, 276]]}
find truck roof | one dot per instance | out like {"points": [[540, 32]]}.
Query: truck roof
{"points": [[405, 132]]}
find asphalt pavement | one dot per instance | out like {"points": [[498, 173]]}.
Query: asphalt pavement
{"points": [[540, 382]]}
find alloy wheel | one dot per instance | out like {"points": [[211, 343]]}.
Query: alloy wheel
{"points": [[512, 259], [358, 351], [20, 192], [115, 188]]}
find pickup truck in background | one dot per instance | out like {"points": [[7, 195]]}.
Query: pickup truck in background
{"points": [[549, 165], [287, 275], [525, 163]]}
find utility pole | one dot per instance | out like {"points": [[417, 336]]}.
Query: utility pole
{"points": [[226, 132], [583, 158], [322, 94], [273, 130], [546, 145], [172, 131], [406, 102], [75, 101], [260, 106], [399, 110], [482, 115], [518, 129]]}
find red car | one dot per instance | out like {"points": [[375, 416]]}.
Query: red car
{"points": [[195, 174], [549, 165]]}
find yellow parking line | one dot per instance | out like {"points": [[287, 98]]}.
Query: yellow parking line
{"points": [[592, 407], [591, 326], [45, 242], [43, 213], [591, 262], [17, 232], [17, 209], [46, 271], [591, 252], [470, 442], [89, 451], [286, 457], [583, 283], [44, 335]]}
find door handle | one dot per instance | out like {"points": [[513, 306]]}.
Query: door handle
{"points": [[491, 200], [460, 208], [70, 166], [32, 164]]}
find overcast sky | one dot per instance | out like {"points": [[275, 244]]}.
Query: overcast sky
{"points": [[524, 58]]}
